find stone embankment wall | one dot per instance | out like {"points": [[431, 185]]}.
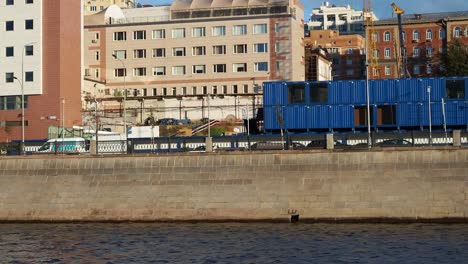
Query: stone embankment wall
{"points": [[391, 184]]}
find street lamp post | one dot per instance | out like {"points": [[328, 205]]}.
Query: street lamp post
{"points": [[124, 99], [22, 95], [22, 115]]}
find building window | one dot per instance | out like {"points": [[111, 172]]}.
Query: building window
{"points": [[261, 48], [9, 77], [278, 66], [29, 1], [238, 30], [239, 67], [29, 24], [219, 68], [416, 35], [155, 91], [198, 32], [349, 51], [240, 48], [178, 70], [224, 89], [235, 89], [96, 73], [387, 53], [375, 71], [219, 49], [184, 90], [139, 53], [277, 46], [296, 93], [205, 90], [404, 35], [164, 91], [214, 89], [9, 51], [219, 31], [96, 55], [386, 36], [260, 29], [141, 71], [455, 89], [350, 72], [159, 71], [159, 53], [178, 33], [10, 2], [375, 36], [375, 53], [261, 66], [442, 34], [246, 88], [120, 54], [199, 51], [29, 50], [120, 72], [194, 90], [429, 52], [416, 70], [139, 34], [93, 8], [120, 36], [29, 76], [457, 32], [199, 69], [348, 62], [415, 52], [178, 52], [159, 34], [429, 68], [9, 25], [429, 34], [387, 70], [277, 28]]}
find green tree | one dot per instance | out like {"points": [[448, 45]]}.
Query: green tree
{"points": [[457, 59]]}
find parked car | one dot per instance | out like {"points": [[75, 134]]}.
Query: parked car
{"points": [[322, 143], [394, 143]]}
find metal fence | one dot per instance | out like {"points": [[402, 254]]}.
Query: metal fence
{"points": [[237, 143]]}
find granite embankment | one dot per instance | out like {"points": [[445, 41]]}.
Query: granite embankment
{"points": [[405, 184]]}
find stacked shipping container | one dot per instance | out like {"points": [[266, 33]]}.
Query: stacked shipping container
{"points": [[341, 105]]}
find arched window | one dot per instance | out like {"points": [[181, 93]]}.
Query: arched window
{"points": [[375, 36], [429, 52], [442, 34], [429, 34], [415, 52], [387, 53], [457, 32], [386, 36], [416, 35]]}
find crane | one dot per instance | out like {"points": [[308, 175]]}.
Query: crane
{"points": [[403, 72], [371, 45]]}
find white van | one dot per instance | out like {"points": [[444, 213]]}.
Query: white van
{"points": [[65, 145]]}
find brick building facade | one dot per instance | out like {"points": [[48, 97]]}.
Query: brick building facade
{"points": [[346, 52], [426, 37]]}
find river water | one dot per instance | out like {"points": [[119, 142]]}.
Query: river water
{"points": [[233, 243]]}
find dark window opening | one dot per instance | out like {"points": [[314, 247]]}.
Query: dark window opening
{"points": [[360, 115], [319, 93], [296, 93], [386, 115], [455, 89]]}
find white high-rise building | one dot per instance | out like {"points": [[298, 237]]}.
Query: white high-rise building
{"points": [[345, 19]]}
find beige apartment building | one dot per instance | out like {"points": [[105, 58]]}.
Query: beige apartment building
{"points": [[95, 6], [170, 58]]}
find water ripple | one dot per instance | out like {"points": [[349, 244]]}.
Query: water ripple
{"points": [[232, 243]]}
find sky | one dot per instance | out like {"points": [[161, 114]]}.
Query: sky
{"points": [[381, 8]]}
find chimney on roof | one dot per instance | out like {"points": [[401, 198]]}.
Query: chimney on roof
{"points": [[417, 16]]}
